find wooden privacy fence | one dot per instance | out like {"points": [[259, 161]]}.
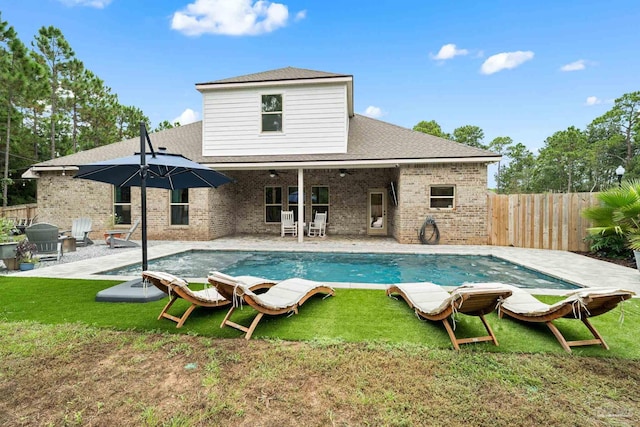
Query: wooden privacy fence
{"points": [[540, 221], [19, 212]]}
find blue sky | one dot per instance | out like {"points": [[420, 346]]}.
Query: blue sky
{"points": [[514, 68]]}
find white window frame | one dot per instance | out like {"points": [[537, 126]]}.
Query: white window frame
{"points": [[262, 113], [271, 204], [433, 198]]}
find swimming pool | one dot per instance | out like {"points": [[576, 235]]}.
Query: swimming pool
{"points": [[446, 270]]}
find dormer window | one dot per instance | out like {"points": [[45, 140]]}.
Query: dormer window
{"points": [[271, 113]]}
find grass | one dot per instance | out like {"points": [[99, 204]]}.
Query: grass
{"points": [[74, 374], [352, 316], [358, 358]]}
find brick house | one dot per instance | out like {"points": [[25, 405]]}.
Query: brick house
{"points": [[282, 134]]}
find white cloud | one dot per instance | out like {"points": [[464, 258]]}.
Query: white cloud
{"points": [[505, 61], [301, 15], [593, 100], [374, 112], [187, 116], [234, 18], [98, 4], [578, 65], [449, 51]]}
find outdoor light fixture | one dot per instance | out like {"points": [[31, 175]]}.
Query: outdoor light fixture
{"points": [[273, 173], [620, 171], [343, 172], [63, 174]]}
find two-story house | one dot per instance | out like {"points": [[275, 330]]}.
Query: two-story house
{"points": [[291, 140]]}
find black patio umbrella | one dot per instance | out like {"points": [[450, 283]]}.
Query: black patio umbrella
{"points": [[154, 169]]}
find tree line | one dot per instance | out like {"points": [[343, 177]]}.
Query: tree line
{"points": [[52, 105], [571, 160]]}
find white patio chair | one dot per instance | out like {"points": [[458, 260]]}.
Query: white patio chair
{"points": [[287, 224], [319, 225], [80, 229]]}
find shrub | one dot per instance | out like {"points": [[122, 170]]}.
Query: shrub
{"points": [[617, 220]]}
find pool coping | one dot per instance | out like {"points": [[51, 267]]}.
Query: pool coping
{"points": [[573, 268]]}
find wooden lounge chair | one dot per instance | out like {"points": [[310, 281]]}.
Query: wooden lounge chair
{"points": [[284, 297], [580, 304], [432, 302], [115, 238], [176, 288]]}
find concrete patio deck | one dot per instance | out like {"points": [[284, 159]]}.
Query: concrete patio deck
{"points": [[574, 268]]}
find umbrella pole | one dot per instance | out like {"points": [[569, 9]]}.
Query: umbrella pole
{"points": [[143, 194]]}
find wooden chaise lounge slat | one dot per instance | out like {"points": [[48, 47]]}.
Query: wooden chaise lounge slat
{"points": [[177, 288], [284, 297], [432, 302], [580, 304]]}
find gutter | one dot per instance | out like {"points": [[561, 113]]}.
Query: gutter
{"points": [[34, 171]]}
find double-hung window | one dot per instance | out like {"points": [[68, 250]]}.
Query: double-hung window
{"points": [[180, 207], [319, 201], [271, 113], [292, 202], [442, 196], [122, 205], [272, 204]]}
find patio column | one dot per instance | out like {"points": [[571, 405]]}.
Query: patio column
{"points": [[300, 205]]}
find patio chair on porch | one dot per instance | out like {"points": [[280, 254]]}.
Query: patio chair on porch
{"points": [[319, 225], [115, 238], [287, 223]]}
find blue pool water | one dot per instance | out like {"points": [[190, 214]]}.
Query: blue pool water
{"points": [[448, 270]]}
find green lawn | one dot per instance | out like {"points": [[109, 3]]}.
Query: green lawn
{"points": [[350, 316]]}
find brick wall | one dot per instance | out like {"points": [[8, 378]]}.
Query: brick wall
{"points": [[239, 207], [465, 224], [61, 199]]}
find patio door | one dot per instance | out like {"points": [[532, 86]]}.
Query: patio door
{"points": [[377, 210]]}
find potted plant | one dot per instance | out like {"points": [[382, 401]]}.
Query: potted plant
{"points": [[7, 241], [25, 255], [616, 221]]}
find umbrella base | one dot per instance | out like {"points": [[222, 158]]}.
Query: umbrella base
{"points": [[131, 291]]}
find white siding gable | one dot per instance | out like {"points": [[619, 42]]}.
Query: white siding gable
{"points": [[315, 121]]}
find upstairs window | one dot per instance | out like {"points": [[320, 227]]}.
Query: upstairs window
{"points": [[442, 196], [272, 204], [180, 207], [122, 205], [271, 113]]}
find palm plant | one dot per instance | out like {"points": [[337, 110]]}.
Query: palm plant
{"points": [[617, 218]]}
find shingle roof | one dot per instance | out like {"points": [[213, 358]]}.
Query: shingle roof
{"points": [[287, 73], [369, 139]]}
